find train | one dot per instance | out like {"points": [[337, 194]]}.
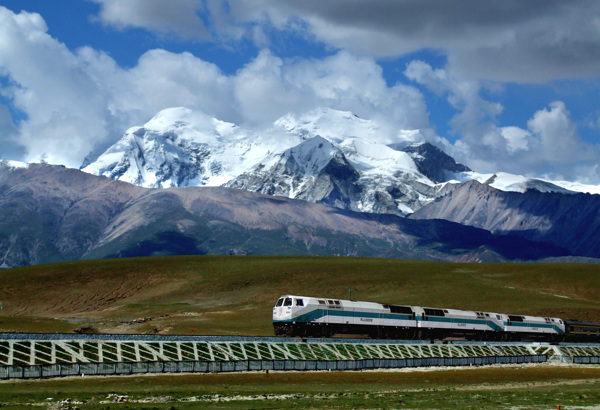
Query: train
{"points": [[307, 316]]}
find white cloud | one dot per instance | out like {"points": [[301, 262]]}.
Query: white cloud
{"points": [[78, 101], [516, 139], [557, 136], [269, 87], [178, 17], [511, 40], [75, 102], [51, 86], [475, 120], [550, 145]]}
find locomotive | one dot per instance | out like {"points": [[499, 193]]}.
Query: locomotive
{"points": [[307, 316]]}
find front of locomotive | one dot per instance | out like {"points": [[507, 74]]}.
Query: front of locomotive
{"points": [[286, 312]]}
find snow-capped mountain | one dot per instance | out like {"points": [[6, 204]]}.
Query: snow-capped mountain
{"points": [[181, 147], [503, 181], [344, 161], [315, 171], [325, 156]]}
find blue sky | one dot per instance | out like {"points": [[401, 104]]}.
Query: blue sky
{"points": [[507, 85]]}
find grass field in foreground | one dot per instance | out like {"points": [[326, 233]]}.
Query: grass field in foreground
{"points": [[232, 295], [467, 388]]}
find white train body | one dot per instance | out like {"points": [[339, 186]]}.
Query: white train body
{"points": [[309, 316]]}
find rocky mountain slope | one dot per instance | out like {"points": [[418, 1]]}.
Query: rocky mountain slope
{"points": [[324, 156], [569, 221], [51, 213]]}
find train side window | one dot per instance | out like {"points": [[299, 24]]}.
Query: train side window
{"points": [[337, 302], [321, 302], [299, 302], [288, 302], [330, 302], [434, 312], [279, 302], [514, 318]]}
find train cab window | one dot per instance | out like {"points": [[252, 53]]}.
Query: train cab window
{"points": [[288, 302], [279, 302], [487, 315], [498, 317], [407, 310], [299, 302], [560, 321]]}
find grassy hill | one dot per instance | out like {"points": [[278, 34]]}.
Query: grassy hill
{"points": [[227, 295]]}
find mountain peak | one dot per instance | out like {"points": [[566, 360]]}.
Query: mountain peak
{"points": [[366, 165]]}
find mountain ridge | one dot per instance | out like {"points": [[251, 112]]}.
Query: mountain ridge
{"points": [[377, 169], [51, 213], [180, 147], [570, 221]]}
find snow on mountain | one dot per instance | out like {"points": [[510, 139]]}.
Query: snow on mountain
{"points": [[504, 181], [578, 187], [314, 171], [181, 147], [342, 127], [357, 171], [13, 164], [325, 155]]}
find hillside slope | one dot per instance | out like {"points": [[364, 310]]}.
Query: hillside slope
{"points": [[234, 294], [51, 213], [569, 221]]}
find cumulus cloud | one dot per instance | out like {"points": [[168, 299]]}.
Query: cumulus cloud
{"points": [[50, 85], [551, 143], [517, 139], [557, 135], [512, 40], [269, 87], [177, 17], [77, 102]]}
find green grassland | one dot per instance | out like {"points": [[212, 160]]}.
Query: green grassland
{"points": [[525, 387], [233, 295]]}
